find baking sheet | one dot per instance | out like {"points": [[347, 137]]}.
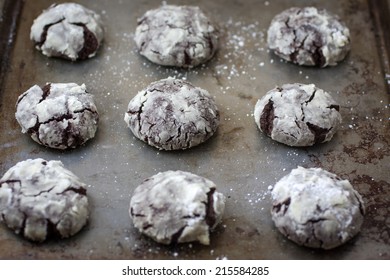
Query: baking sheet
{"points": [[239, 159]]}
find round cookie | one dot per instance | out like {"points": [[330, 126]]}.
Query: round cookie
{"points": [[175, 207], [316, 209], [58, 115], [181, 36], [172, 114], [309, 36], [40, 199], [298, 115], [68, 31]]}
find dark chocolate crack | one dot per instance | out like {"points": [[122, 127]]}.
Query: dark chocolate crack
{"points": [[311, 97], [23, 226], [305, 103], [277, 207], [133, 214], [45, 92], [71, 137], [175, 237], [91, 43], [41, 192], [319, 132], [146, 226], [267, 118], [44, 32], [86, 109], [79, 190], [187, 58], [314, 221], [139, 112], [318, 57], [51, 230], [191, 216], [12, 181], [336, 107], [210, 213]]}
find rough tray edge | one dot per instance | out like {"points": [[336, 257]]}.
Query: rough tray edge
{"points": [[380, 12], [11, 11]]}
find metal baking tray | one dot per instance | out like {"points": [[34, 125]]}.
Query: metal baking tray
{"points": [[239, 158]]}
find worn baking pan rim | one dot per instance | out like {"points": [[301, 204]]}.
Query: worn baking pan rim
{"points": [[380, 11], [9, 24]]}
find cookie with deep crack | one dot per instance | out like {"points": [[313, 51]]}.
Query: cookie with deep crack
{"points": [[58, 115], [41, 199], [68, 31], [181, 36], [298, 115], [175, 207], [172, 114], [316, 209], [309, 36]]}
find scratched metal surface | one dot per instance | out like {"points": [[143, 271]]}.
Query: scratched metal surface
{"points": [[239, 159]]}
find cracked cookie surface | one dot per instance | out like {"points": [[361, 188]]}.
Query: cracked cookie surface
{"points": [[40, 199], [315, 208], [58, 115], [172, 114], [181, 36], [68, 31], [298, 115], [176, 206], [309, 36]]}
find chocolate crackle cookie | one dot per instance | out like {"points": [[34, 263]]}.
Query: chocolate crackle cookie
{"points": [[67, 30], [181, 36], [175, 207], [172, 114], [298, 115], [40, 199], [315, 208], [309, 36], [58, 115]]}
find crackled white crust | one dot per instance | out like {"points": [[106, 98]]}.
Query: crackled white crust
{"points": [[172, 114], [315, 208], [309, 36], [179, 36], [175, 207], [58, 115], [68, 30], [40, 199], [298, 115]]}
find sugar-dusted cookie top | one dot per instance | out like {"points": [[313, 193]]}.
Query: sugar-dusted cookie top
{"points": [[172, 114], [298, 115], [181, 36], [40, 199], [58, 115], [176, 206], [309, 36], [68, 31], [317, 209]]}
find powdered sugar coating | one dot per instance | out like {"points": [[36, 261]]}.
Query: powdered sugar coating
{"points": [[309, 36], [40, 199], [315, 208], [58, 115], [298, 115], [68, 30], [180, 36], [176, 206], [172, 114]]}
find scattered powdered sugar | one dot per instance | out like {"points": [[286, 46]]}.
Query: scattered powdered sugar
{"points": [[235, 58]]}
